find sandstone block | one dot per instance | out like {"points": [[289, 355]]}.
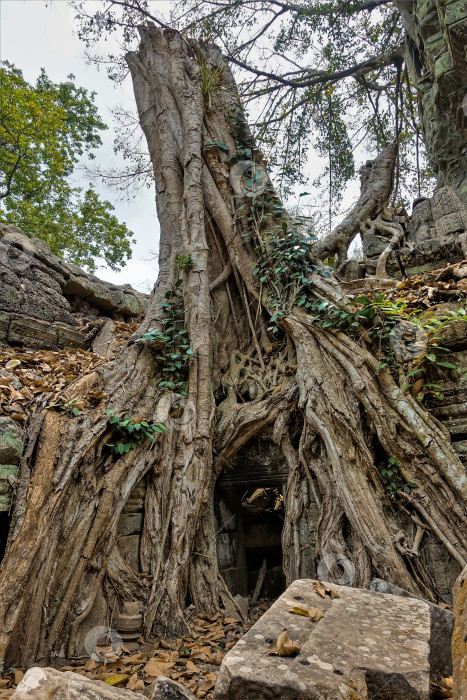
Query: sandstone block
{"points": [[45, 683], [68, 337], [4, 323], [6, 471], [31, 332], [165, 689], [367, 645], [130, 523]]}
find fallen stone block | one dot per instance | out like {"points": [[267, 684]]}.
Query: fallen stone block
{"points": [[366, 645], [165, 689], [441, 627], [68, 337], [31, 332], [8, 476], [45, 683], [4, 323]]}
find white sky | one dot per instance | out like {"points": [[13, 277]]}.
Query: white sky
{"points": [[33, 36]]}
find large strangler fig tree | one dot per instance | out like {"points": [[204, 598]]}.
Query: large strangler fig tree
{"points": [[239, 275]]}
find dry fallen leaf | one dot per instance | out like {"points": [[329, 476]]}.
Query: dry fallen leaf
{"points": [[18, 676], [116, 679], [12, 364], [314, 613], [157, 668], [321, 590], [283, 646]]}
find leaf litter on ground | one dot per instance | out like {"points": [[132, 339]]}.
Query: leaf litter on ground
{"points": [[192, 661]]}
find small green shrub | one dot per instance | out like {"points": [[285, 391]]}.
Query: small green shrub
{"points": [[393, 480], [211, 78], [184, 262], [73, 406], [130, 431]]}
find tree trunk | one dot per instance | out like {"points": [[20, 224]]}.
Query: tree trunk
{"points": [[319, 384]]}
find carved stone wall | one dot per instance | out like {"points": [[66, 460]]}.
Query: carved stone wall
{"points": [[39, 295], [435, 235], [436, 41]]}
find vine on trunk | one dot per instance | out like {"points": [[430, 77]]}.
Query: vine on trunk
{"points": [[318, 391]]}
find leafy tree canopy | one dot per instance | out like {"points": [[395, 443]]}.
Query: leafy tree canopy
{"points": [[44, 130], [331, 75]]}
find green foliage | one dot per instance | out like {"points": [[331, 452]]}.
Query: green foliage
{"points": [[72, 407], [184, 262], [283, 246], [394, 482], [324, 75], [129, 432], [211, 78], [170, 346], [304, 80], [44, 130]]}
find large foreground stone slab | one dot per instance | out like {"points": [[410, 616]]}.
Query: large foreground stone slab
{"points": [[46, 683], [368, 646]]}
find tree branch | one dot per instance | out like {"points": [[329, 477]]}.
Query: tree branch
{"points": [[357, 70], [377, 178]]}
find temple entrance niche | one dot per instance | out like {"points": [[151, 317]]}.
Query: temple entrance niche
{"points": [[249, 507]]}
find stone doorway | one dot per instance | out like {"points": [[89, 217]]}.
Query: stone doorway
{"points": [[249, 508]]}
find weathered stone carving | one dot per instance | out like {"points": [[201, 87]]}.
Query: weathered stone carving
{"points": [[39, 294], [434, 236]]}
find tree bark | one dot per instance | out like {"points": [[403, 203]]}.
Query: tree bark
{"points": [[459, 638], [63, 550]]}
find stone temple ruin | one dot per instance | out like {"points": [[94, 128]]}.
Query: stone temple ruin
{"points": [[46, 304]]}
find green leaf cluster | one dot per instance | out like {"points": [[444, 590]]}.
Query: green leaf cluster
{"points": [[184, 262], [394, 482], [129, 432], [68, 406], [211, 78], [170, 346], [44, 131]]}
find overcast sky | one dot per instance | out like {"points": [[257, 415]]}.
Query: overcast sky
{"points": [[35, 36]]}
